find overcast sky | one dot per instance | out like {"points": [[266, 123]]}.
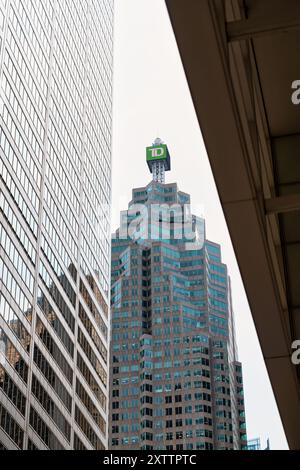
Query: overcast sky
{"points": [[151, 99]]}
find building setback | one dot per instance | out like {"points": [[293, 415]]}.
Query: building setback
{"points": [[175, 380], [55, 149]]}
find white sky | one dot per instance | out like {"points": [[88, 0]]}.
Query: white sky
{"points": [[151, 98]]}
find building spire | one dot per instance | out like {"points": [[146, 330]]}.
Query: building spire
{"points": [[158, 160]]}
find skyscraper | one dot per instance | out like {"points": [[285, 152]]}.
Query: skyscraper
{"points": [[55, 149], [254, 444], [175, 380]]}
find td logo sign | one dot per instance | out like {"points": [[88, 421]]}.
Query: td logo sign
{"points": [[158, 152]]}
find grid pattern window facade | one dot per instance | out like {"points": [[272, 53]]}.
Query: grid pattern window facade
{"points": [[55, 192]]}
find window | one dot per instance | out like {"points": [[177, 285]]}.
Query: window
{"points": [[10, 426], [43, 431]]}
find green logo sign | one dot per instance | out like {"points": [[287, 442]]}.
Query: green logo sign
{"points": [[158, 152]]}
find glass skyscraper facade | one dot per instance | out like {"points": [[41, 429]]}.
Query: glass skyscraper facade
{"points": [[176, 383], [254, 444], [55, 185]]}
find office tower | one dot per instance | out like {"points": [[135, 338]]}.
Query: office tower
{"points": [[175, 380], [55, 145], [254, 444]]}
